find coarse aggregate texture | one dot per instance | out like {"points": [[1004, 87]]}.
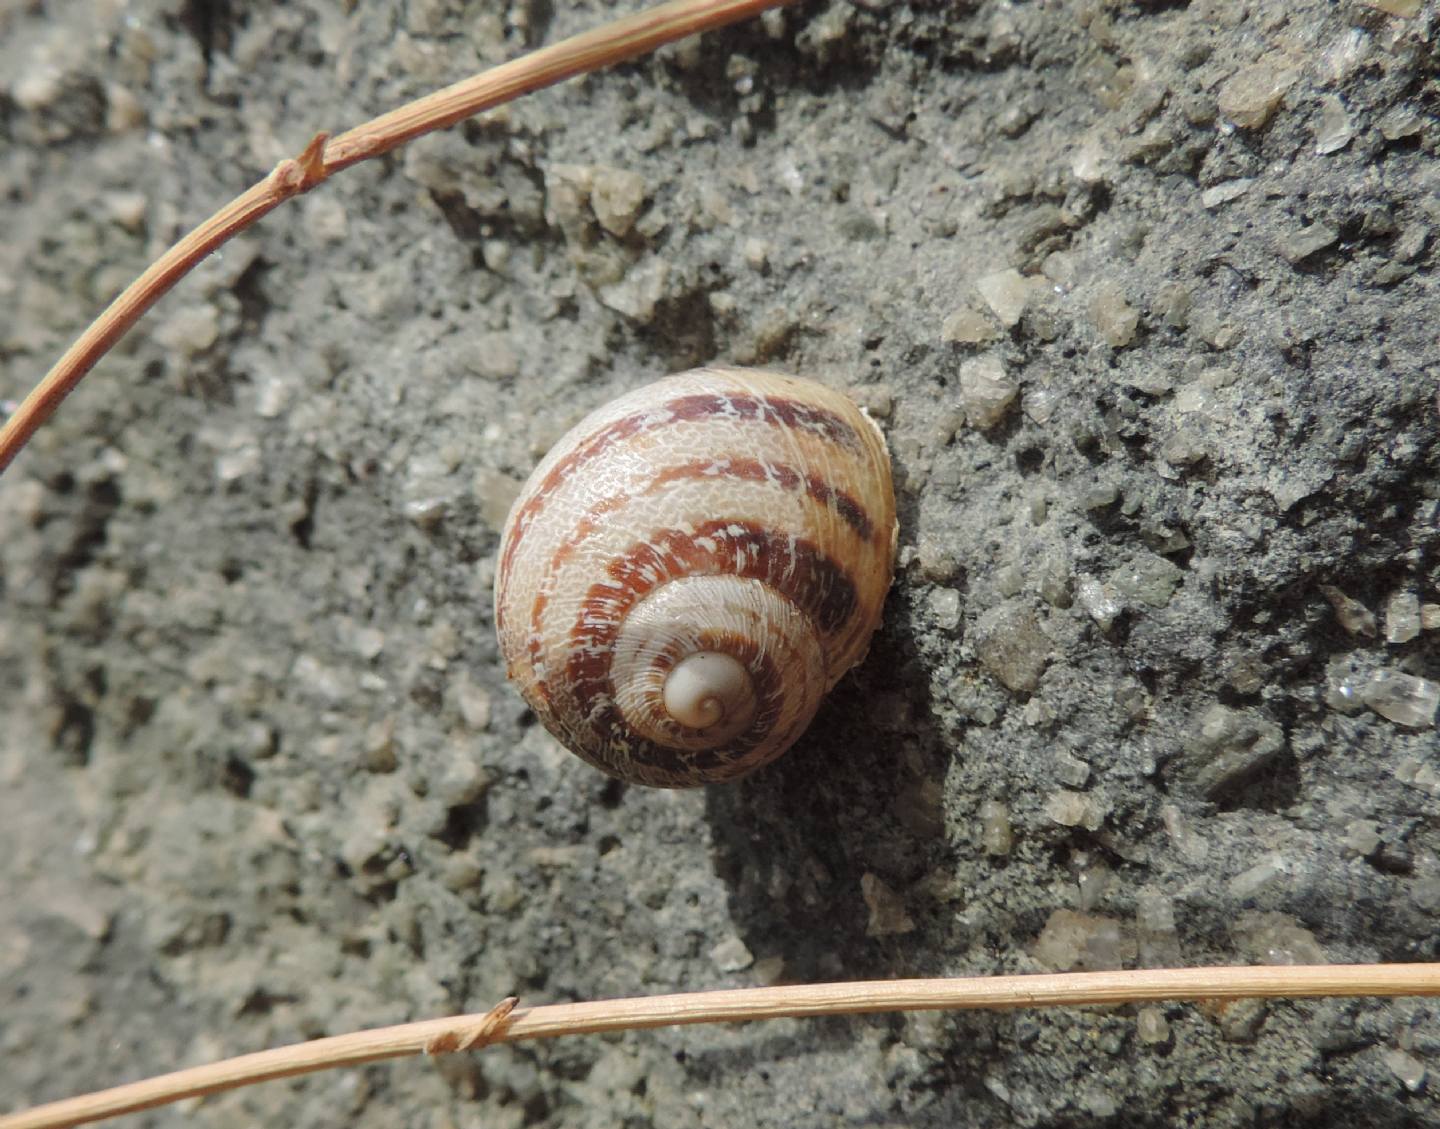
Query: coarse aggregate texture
{"points": [[1144, 296]]}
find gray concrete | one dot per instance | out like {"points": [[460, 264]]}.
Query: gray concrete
{"points": [[261, 778]]}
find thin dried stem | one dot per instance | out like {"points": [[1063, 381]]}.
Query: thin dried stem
{"points": [[507, 1024], [623, 39]]}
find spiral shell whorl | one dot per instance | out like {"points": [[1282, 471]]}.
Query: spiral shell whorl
{"points": [[745, 515]]}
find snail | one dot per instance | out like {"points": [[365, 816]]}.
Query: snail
{"points": [[692, 567]]}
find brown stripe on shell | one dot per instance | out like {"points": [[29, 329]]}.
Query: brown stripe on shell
{"points": [[522, 519], [792, 566], [748, 470], [777, 411], [786, 477]]}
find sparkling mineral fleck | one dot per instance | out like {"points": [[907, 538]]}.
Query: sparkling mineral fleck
{"points": [[1342, 688], [1402, 698], [1195, 398]]}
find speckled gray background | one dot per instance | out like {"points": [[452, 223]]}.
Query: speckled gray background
{"points": [[1168, 501]]}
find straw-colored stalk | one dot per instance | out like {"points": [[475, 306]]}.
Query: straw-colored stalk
{"points": [[507, 1023]]}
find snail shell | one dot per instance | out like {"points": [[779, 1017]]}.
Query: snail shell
{"points": [[692, 567]]}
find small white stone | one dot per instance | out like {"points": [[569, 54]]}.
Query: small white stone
{"points": [[190, 329], [1402, 698], [1276, 938], [945, 607], [1079, 942], [1088, 163], [1250, 96], [1151, 1026], [1116, 320], [1406, 1067], [637, 294], [986, 391], [1362, 836], [1188, 842], [367, 642], [1100, 601], [732, 955], [1006, 293], [473, 702], [616, 197], [1075, 809], [462, 782], [127, 209], [1040, 403], [1402, 617], [1268, 871], [1159, 940], [968, 326], [1070, 770], [237, 463], [1219, 194], [996, 834], [1333, 127]]}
